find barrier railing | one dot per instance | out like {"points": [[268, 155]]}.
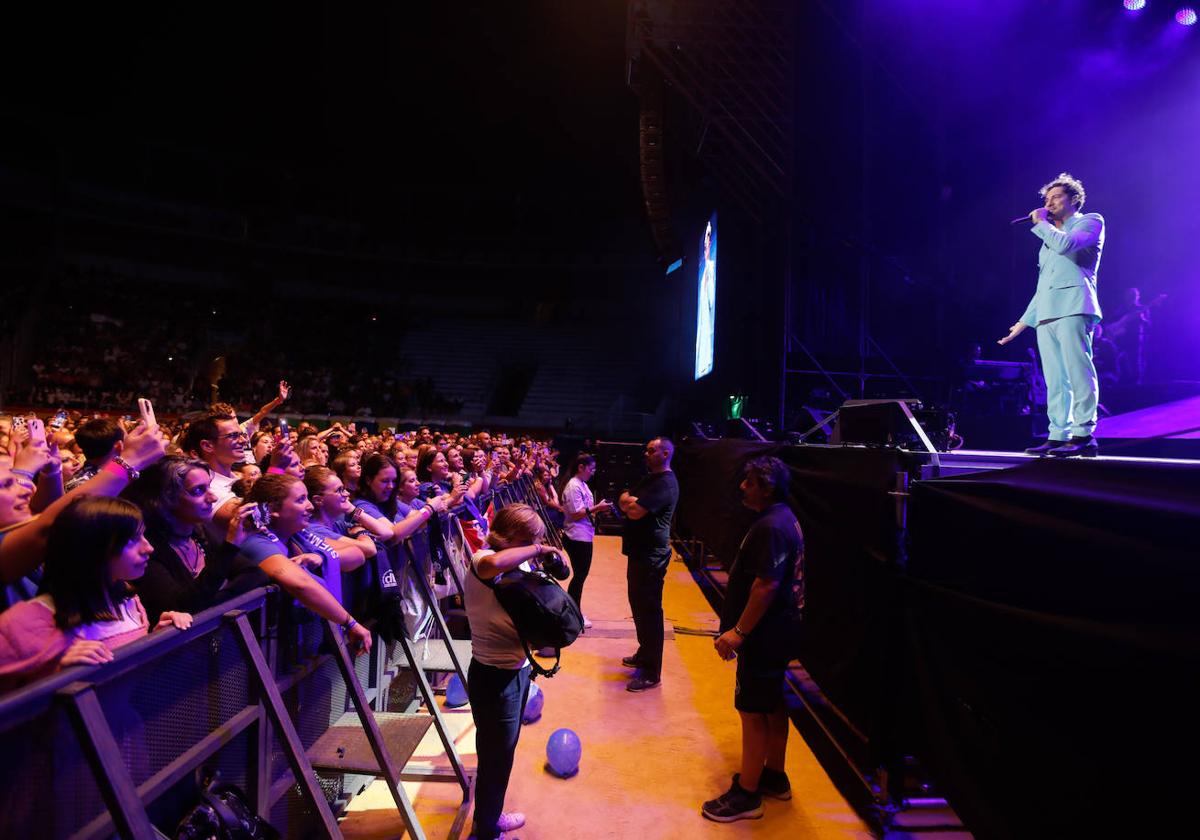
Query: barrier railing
{"points": [[121, 747], [258, 691]]}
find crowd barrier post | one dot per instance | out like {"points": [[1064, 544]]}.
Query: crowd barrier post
{"points": [[370, 727], [120, 794], [293, 749], [459, 773], [452, 649]]}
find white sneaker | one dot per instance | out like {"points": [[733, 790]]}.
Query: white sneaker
{"points": [[587, 624], [510, 821]]}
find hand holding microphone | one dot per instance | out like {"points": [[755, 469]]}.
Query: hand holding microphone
{"points": [[1039, 215]]}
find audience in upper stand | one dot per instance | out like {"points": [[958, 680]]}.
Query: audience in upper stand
{"points": [[113, 324]]}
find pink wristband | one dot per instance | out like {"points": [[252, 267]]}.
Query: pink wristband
{"points": [[275, 471], [113, 468]]}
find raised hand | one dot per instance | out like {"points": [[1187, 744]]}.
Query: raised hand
{"points": [[143, 447]]}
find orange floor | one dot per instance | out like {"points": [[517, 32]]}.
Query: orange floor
{"points": [[649, 759]]}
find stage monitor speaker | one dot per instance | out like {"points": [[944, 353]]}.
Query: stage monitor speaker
{"points": [[886, 423]]}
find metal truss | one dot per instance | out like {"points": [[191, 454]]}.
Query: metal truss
{"points": [[731, 61]]}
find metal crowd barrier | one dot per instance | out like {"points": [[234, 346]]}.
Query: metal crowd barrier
{"points": [[257, 690]]}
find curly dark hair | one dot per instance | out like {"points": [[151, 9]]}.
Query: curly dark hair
{"points": [[1073, 187], [768, 470]]}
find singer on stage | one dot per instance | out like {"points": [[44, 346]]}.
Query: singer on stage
{"points": [[1064, 310]]}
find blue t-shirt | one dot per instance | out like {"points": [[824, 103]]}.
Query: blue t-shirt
{"points": [[259, 546], [369, 508], [419, 541], [315, 538]]}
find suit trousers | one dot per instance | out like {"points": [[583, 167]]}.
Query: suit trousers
{"points": [[1072, 393], [645, 577]]}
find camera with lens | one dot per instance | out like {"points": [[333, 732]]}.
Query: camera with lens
{"points": [[554, 565]]}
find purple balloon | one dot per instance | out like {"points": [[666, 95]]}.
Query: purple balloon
{"points": [[456, 695], [563, 751], [534, 705]]}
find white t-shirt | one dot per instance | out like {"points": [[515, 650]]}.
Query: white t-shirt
{"points": [[222, 487], [577, 496], [494, 639]]}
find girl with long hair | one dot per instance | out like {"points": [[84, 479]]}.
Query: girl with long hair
{"points": [[87, 607]]}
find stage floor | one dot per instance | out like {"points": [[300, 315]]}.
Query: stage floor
{"points": [[974, 460], [649, 760]]}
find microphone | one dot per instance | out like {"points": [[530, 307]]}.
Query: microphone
{"points": [[1020, 219]]}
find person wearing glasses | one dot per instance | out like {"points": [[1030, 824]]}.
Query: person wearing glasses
{"points": [[218, 441], [338, 531]]}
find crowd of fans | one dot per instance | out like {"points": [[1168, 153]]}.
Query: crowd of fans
{"points": [[111, 529]]}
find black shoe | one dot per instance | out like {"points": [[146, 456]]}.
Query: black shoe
{"points": [[642, 684], [735, 804], [1083, 447], [631, 662], [772, 783], [1045, 448]]}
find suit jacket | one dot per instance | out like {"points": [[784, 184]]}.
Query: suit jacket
{"points": [[1067, 267]]}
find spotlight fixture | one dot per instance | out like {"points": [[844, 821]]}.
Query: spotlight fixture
{"points": [[1135, 5], [1186, 16]]}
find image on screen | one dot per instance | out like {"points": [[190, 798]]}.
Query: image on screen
{"points": [[706, 299]]}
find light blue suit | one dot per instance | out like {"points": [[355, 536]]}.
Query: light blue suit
{"points": [[1064, 309]]}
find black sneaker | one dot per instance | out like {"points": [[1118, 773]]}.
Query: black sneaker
{"points": [[1045, 448], [642, 684], [1082, 447], [772, 783], [631, 662], [735, 804]]}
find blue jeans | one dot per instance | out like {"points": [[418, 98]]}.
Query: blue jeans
{"points": [[497, 699]]}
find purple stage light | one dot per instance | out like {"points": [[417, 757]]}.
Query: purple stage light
{"points": [[1135, 5], [1186, 16]]}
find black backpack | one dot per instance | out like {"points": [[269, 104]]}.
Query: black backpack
{"points": [[541, 610]]}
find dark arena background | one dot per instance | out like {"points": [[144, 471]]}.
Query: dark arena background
{"points": [[531, 230]]}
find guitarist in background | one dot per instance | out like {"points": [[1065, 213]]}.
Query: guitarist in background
{"points": [[1128, 332]]}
